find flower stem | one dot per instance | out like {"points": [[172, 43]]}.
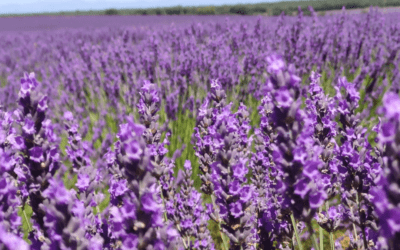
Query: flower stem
{"points": [[313, 237], [295, 232], [293, 241]]}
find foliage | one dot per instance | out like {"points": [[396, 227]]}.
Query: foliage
{"points": [[209, 10], [111, 12]]}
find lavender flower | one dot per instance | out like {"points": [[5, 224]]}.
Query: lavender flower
{"points": [[88, 182], [185, 209], [39, 148], [385, 194], [136, 208], [288, 131], [148, 106], [10, 195], [233, 197], [204, 133], [63, 230], [356, 166]]}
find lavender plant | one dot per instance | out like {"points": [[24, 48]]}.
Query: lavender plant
{"points": [[204, 133], [88, 184], [321, 112], [233, 197], [356, 166], [186, 210], [38, 159], [294, 152], [10, 196], [385, 194], [136, 212]]}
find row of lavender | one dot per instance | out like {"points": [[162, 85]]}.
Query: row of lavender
{"points": [[110, 65], [302, 160]]}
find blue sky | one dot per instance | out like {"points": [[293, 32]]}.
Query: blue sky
{"points": [[31, 6]]}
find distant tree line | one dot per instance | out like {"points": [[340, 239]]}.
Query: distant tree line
{"points": [[260, 8], [250, 9]]}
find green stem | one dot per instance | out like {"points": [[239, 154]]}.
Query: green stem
{"points": [[295, 232], [315, 243], [293, 241], [321, 234], [313, 237], [219, 224]]}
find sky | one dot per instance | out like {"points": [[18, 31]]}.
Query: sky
{"points": [[32, 6]]}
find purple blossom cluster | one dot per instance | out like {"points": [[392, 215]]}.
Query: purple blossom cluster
{"points": [[136, 210], [385, 194], [281, 118]]}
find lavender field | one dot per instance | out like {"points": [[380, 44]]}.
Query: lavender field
{"points": [[198, 132]]}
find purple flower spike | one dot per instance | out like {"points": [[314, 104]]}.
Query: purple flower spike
{"points": [[355, 162], [388, 132], [10, 194], [227, 133], [148, 107], [291, 144], [386, 192], [136, 207], [185, 209], [204, 133]]}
